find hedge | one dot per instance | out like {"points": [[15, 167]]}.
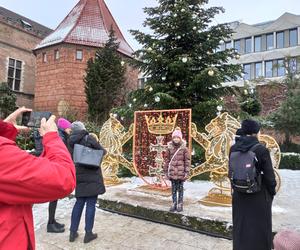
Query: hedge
{"points": [[290, 161]]}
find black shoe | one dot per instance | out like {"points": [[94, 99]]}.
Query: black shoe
{"points": [[52, 228], [173, 207], [59, 225], [73, 236], [180, 207], [89, 237]]}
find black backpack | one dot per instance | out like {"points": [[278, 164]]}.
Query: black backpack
{"points": [[243, 173]]}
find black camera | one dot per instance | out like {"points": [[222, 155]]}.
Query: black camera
{"points": [[33, 119]]}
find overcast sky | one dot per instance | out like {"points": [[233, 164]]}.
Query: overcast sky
{"points": [[129, 13]]}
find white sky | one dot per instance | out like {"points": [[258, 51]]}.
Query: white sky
{"points": [[129, 13]]}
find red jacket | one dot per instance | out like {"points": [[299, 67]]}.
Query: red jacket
{"points": [[25, 180]]}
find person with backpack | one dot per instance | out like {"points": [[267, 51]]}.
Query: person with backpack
{"points": [[253, 188], [89, 181]]}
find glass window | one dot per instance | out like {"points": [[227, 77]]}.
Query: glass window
{"points": [[269, 69], [247, 71], [270, 41], [258, 70], [293, 65], [142, 83], [257, 43], [237, 46], [280, 40], [11, 72], [18, 64], [14, 74], [56, 54], [280, 67], [18, 73], [11, 62], [44, 57], [248, 45], [222, 46], [293, 37], [79, 55], [228, 45]]}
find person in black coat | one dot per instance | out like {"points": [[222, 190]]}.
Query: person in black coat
{"points": [[64, 129], [89, 184], [252, 213]]}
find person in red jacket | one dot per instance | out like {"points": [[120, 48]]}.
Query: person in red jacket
{"points": [[26, 180]]}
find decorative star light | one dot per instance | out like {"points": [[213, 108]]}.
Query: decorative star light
{"points": [[211, 72], [184, 59]]}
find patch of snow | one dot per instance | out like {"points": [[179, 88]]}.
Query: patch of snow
{"points": [[290, 154], [40, 212], [63, 29]]}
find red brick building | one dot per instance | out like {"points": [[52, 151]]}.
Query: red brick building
{"points": [[18, 37], [62, 57]]}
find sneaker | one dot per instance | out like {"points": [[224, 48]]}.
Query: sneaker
{"points": [[52, 228], [89, 237], [73, 236], [59, 225], [173, 207], [180, 207]]}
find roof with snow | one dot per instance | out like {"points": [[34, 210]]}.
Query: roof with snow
{"points": [[24, 23], [88, 23]]}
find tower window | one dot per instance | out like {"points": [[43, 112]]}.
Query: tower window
{"points": [[44, 57], [79, 55], [56, 54]]}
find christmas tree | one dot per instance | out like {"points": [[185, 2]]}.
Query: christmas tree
{"points": [[104, 80], [287, 118], [183, 60]]}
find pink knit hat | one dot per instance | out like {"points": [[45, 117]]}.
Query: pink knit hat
{"points": [[177, 133], [287, 240], [63, 123]]}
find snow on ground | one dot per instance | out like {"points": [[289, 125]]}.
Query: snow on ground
{"points": [[286, 204]]}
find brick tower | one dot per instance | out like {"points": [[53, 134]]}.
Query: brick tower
{"points": [[62, 58]]}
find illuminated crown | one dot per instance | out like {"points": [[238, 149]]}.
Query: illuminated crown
{"points": [[160, 125]]}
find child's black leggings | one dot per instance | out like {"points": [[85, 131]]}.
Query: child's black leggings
{"points": [[177, 187]]}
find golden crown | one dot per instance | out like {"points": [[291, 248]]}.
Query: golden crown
{"points": [[161, 125]]}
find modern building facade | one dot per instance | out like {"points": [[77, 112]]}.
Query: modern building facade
{"points": [[18, 37], [264, 47]]}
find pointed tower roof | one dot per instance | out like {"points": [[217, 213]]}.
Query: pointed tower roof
{"points": [[88, 23]]}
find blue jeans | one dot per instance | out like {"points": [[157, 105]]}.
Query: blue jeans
{"points": [[89, 213]]}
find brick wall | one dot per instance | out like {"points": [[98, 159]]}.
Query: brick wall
{"points": [[271, 96], [18, 45], [61, 81]]}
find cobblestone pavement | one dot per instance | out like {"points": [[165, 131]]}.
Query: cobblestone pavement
{"points": [[120, 232]]}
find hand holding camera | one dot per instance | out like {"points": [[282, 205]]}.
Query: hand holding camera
{"points": [[12, 118], [48, 126], [44, 121]]}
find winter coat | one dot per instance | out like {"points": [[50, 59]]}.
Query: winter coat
{"points": [[38, 140], [63, 135], [89, 179], [179, 167], [252, 213], [25, 180]]}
